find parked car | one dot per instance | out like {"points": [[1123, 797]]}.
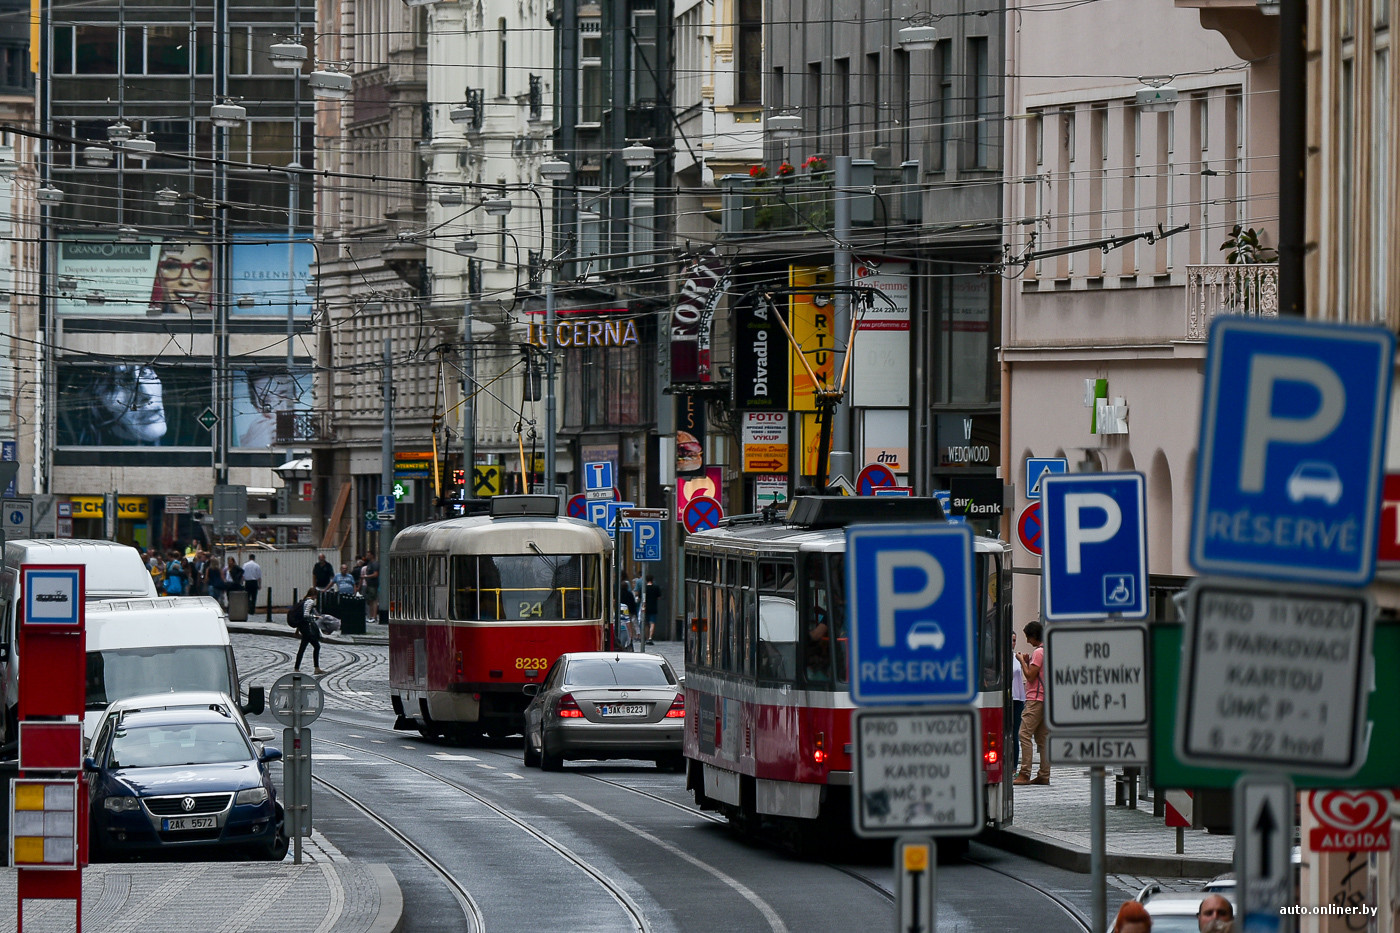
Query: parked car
{"points": [[171, 780], [183, 699], [598, 705]]}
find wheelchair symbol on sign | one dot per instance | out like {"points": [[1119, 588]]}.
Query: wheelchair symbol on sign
{"points": [[1117, 589]]}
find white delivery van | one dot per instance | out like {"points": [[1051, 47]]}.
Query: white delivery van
{"points": [[111, 570], [139, 647]]}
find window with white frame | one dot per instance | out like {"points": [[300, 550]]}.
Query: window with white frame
{"points": [[641, 228], [590, 70], [644, 60]]}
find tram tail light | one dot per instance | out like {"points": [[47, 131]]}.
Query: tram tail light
{"points": [[568, 708], [992, 750], [677, 710], [819, 749], [459, 664]]}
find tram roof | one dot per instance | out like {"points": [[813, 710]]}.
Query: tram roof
{"points": [[479, 533]]}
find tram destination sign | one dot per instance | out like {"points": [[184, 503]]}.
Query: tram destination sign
{"points": [[1097, 677], [917, 771], [1274, 677]]}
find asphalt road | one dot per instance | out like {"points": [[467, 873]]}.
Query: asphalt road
{"points": [[478, 842]]}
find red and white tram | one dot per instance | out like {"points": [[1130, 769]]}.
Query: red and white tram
{"points": [[768, 703], [481, 605]]}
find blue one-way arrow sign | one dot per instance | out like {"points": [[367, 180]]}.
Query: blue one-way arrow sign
{"points": [[1292, 446], [910, 613]]}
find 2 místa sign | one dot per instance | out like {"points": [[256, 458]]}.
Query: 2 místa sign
{"points": [[1274, 677]]}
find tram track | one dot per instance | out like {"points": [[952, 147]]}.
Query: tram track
{"points": [[636, 918], [471, 910]]}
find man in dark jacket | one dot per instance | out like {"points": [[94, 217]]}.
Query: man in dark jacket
{"points": [[322, 572]]}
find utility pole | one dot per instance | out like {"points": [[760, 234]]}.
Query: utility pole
{"points": [[551, 427], [468, 399], [386, 526], [838, 413]]}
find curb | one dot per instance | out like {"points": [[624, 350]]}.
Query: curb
{"points": [[390, 916], [1054, 852]]}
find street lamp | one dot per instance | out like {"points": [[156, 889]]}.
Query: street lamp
{"points": [[118, 131], [140, 147], [497, 207], [784, 126], [288, 53], [48, 194], [329, 84], [228, 115], [167, 197], [555, 170], [1157, 94], [638, 156], [97, 156], [465, 246]]}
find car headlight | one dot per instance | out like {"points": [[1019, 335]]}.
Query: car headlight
{"points": [[253, 795], [121, 804]]}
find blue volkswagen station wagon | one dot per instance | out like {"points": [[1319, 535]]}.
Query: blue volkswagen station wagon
{"points": [[176, 780]]}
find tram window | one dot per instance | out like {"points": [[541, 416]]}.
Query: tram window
{"points": [[840, 644], [730, 644], [777, 638], [747, 621], [543, 587], [995, 636], [818, 623]]}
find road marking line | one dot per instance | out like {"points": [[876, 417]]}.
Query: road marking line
{"points": [[513, 775], [448, 756], [324, 756], [775, 922], [486, 766]]}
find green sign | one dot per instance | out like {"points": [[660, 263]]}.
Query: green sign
{"points": [[207, 418], [1382, 761]]}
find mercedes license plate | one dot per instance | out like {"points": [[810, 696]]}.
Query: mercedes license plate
{"points": [[629, 709], [174, 824]]}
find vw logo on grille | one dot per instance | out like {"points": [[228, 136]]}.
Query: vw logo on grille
{"points": [[187, 804]]}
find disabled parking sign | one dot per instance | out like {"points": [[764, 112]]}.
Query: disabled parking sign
{"points": [[1094, 563], [1293, 427], [910, 613]]}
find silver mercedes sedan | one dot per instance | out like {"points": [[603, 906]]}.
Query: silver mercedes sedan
{"points": [[603, 704]]}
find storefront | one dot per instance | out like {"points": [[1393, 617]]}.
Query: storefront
{"points": [[86, 519]]}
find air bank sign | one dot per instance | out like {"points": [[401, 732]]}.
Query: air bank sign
{"points": [[1292, 445]]}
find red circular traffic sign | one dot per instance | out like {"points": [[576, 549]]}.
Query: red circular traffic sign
{"points": [[874, 476], [578, 506], [701, 514], [1029, 528]]}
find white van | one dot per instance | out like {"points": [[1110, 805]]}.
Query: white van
{"points": [[112, 570], [138, 647]]}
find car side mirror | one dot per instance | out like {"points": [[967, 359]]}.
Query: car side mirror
{"points": [[530, 689], [263, 734], [257, 702], [270, 753], [89, 764]]}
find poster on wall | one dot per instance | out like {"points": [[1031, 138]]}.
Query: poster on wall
{"points": [[967, 337], [260, 266], [259, 394], [810, 318], [705, 283], [132, 404], [104, 277], [760, 354], [880, 357], [690, 435]]}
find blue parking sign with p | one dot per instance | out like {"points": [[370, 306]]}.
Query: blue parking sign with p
{"points": [[1292, 448], [646, 539], [1093, 560], [909, 610], [598, 513]]}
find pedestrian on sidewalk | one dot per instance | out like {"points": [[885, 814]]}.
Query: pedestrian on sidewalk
{"points": [[1018, 703], [651, 600], [369, 586], [1215, 915], [1132, 918], [344, 582], [1033, 725], [252, 580], [323, 572], [309, 629]]}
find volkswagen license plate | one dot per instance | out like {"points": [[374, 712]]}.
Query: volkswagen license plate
{"points": [[629, 709], [177, 823]]}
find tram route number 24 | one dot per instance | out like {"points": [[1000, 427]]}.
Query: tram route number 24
{"points": [[531, 664]]}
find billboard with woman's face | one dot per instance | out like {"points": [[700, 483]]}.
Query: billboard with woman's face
{"points": [[259, 394], [132, 404], [105, 277]]}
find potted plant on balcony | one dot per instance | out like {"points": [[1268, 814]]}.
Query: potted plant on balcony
{"points": [[1243, 247]]}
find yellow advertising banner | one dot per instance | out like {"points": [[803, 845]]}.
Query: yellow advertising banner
{"points": [[811, 320], [134, 507], [811, 443]]}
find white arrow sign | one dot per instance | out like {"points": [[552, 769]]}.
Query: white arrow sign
{"points": [[1263, 851]]}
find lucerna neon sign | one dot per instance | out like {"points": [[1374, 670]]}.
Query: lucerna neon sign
{"points": [[583, 334]]}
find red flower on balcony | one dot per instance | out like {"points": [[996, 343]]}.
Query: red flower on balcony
{"points": [[815, 164], [785, 170], [758, 171]]}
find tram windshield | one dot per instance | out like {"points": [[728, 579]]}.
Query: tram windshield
{"points": [[546, 587]]}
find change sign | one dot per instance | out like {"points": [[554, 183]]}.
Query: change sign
{"points": [[1273, 677]]}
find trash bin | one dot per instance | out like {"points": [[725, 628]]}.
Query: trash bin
{"points": [[351, 612], [237, 605]]}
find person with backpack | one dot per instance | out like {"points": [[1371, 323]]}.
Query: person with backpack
{"points": [[214, 581], [175, 575], [302, 617]]}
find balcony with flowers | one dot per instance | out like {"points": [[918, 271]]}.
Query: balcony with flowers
{"points": [[787, 200]]}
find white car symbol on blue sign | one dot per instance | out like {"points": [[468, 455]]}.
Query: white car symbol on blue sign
{"points": [[1292, 448], [910, 610], [1094, 546]]}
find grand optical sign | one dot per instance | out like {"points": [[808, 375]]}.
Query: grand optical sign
{"points": [[583, 334]]}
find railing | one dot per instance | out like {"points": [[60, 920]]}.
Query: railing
{"points": [[304, 427], [1228, 289], [805, 202]]}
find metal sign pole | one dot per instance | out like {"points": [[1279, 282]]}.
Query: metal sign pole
{"points": [[296, 765], [617, 576], [1097, 845], [915, 867]]}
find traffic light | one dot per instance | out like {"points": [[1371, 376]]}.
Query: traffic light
{"points": [[459, 477]]}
